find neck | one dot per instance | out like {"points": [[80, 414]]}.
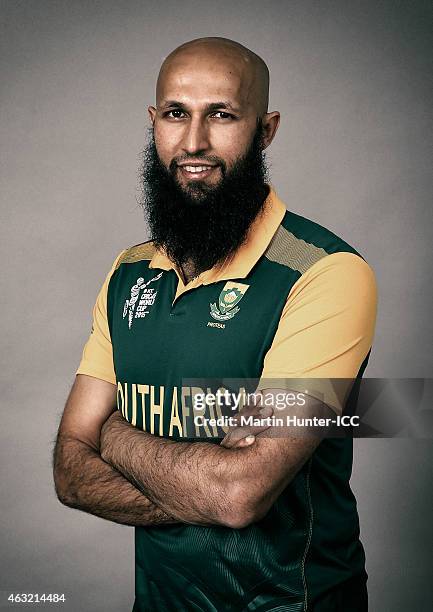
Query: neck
{"points": [[190, 270]]}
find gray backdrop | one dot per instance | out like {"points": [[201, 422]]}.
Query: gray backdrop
{"points": [[354, 152]]}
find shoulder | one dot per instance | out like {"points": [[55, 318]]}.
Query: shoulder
{"points": [[334, 301], [139, 252], [344, 276], [340, 289], [299, 243], [328, 266]]}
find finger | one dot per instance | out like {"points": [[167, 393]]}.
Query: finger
{"points": [[257, 412], [238, 431], [260, 422], [266, 411], [229, 442], [244, 442]]}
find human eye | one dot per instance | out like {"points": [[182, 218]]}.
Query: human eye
{"points": [[175, 113], [222, 115]]}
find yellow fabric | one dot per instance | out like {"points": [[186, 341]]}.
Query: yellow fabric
{"points": [[97, 358], [326, 329]]}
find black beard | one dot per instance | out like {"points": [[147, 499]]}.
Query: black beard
{"points": [[203, 224]]}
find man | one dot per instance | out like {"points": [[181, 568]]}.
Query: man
{"points": [[232, 286]]}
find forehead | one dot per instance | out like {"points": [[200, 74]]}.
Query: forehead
{"points": [[200, 79]]}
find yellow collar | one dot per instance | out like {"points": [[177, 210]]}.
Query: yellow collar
{"points": [[243, 260]]}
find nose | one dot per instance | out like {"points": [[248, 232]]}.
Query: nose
{"points": [[196, 137]]}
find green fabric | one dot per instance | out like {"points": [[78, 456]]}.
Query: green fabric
{"points": [[309, 540]]}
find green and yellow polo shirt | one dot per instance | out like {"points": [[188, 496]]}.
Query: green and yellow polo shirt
{"points": [[294, 301]]}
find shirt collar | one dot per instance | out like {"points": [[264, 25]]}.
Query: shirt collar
{"points": [[247, 255]]}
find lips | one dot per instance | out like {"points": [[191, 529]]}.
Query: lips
{"points": [[196, 170]]}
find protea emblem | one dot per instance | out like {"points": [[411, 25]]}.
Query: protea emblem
{"points": [[228, 301]]}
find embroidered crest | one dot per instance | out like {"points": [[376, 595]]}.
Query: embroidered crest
{"points": [[228, 301]]}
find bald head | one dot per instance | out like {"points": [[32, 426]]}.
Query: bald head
{"points": [[243, 67]]}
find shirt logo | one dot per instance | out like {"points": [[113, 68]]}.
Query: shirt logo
{"points": [[228, 301], [147, 299]]}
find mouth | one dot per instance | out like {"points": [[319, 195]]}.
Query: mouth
{"points": [[197, 171]]}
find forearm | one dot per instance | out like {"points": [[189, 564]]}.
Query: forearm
{"points": [[86, 482], [194, 482]]}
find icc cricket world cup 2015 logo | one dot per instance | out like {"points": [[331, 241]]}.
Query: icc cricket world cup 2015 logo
{"points": [[130, 304]]}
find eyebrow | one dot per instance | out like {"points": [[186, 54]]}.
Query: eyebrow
{"points": [[212, 106]]}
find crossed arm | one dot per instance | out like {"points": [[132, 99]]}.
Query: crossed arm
{"points": [[107, 467], [82, 479], [204, 483]]}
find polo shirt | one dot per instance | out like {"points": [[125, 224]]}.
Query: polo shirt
{"points": [[295, 301]]}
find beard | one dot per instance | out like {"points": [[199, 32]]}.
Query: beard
{"points": [[200, 223]]}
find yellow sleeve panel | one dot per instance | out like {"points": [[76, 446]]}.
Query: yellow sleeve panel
{"points": [[97, 358], [326, 328]]}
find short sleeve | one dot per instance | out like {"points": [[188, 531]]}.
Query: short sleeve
{"points": [[97, 357], [326, 328]]}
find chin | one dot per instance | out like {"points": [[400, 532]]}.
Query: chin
{"points": [[198, 191], [196, 197]]}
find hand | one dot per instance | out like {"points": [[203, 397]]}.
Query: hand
{"points": [[239, 435]]}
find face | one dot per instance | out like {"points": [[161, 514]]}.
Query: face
{"points": [[204, 171], [205, 119], [203, 229]]}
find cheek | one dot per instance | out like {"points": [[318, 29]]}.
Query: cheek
{"points": [[166, 144], [230, 145], [233, 138]]}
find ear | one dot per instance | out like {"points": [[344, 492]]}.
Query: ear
{"points": [[152, 114], [270, 123]]}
